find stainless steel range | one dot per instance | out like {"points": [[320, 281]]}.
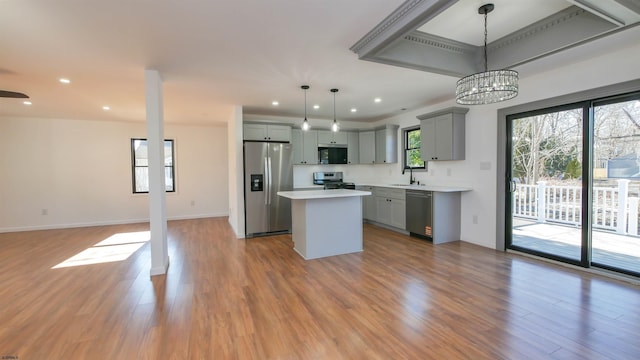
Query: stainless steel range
{"points": [[332, 180]]}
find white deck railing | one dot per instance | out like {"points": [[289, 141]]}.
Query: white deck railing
{"points": [[612, 208]]}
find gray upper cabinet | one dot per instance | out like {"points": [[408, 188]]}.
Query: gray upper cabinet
{"points": [[367, 147], [353, 153], [386, 145], [304, 146], [264, 132], [443, 134], [330, 137]]}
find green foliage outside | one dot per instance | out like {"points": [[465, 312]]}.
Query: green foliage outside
{"points": [[573, 169], [413, 149]]}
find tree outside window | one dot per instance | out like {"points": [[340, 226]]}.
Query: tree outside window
{"points": [[412, 142]]}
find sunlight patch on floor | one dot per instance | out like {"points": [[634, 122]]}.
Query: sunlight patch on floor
{"points": [[117, 247]]}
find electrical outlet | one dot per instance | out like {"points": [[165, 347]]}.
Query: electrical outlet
{"points": [[45, 212], [475, 219], [193, 203]]}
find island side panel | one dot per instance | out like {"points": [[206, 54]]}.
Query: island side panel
{"points": [[299, 226], [333, 226]]}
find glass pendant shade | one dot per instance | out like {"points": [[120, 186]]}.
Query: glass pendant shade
{"points": [[334, 126], [489, 86], [305, 123]]}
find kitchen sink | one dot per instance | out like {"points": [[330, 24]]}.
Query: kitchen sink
{"points": [[400, 185]]}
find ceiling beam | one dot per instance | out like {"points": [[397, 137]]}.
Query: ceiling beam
{"points": [[618, 12]]}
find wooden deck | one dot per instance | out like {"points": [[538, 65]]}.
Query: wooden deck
{"points": [[609, 248], [225, 298]]}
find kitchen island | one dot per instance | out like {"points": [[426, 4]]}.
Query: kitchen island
{"points": [[326, 222]]}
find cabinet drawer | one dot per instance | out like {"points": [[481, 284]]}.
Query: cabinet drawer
{"points": [[391, 193]]}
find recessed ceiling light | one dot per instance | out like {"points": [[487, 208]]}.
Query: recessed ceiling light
{"points": [[106, 108], [27, 102], [354, 109], [377, 100], [275, 103], [64, 81], [316, 107]]}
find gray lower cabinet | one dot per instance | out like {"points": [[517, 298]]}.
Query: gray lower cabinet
{"points": [[391, 207], [446, 217], [368, 203]]}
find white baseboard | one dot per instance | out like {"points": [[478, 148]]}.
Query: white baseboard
{"points": [[103, 223], [160, 270]]}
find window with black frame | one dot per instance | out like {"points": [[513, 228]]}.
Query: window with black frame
{"points": [[140, 166], [412, 142]]}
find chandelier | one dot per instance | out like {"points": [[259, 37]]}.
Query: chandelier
{"points": [[489, 86]]}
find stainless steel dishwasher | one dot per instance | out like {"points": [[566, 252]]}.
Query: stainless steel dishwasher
{"points": [[419, 213]]}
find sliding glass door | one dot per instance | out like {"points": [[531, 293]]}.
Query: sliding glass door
{"points": [[616, 184], [545, 186], [573, 183]]}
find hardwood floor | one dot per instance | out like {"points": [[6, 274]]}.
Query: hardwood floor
{"points": [[225, 298]]}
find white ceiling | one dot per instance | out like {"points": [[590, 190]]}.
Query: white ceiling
{"points": [[216, 54]]}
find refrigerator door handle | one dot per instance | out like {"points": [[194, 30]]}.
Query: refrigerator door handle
{"points": [[266, 180], [270, 180]]}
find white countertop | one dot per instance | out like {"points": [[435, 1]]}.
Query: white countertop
{"points": [[423, 187], [321, 194]]}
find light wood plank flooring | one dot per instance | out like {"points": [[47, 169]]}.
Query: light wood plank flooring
{"points": [[225, 298]]}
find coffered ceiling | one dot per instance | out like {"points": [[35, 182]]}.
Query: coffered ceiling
{"points": [[216, 54]]}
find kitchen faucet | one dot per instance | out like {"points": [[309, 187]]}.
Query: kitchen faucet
{"points": [[412, 180]]}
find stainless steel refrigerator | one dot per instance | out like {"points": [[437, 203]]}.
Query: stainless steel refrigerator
{"points": [[268, 168]]}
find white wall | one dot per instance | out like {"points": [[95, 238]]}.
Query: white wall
{"points": [[236, 173], [80, 172]]}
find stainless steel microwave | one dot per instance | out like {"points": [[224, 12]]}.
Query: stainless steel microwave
{"points": [[332, 154]]}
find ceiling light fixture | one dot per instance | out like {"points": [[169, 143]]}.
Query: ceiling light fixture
{"points": [[354, 110], [316, 107], [489, 86], [305, 123], [275, 103], [106, 108], [27, 102], [377, 100], [64, 81], [334, 126]]}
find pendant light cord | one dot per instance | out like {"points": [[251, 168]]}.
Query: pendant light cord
{"points": [[486, 68], [334, 106], [305, 104]]}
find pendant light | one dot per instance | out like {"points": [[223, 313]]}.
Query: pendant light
{"points": [[489, 86], [334, 126], [305, 123]]}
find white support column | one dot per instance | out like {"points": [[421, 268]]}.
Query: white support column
{"points": [[155, 146], [542, 203], [623, 192]]}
